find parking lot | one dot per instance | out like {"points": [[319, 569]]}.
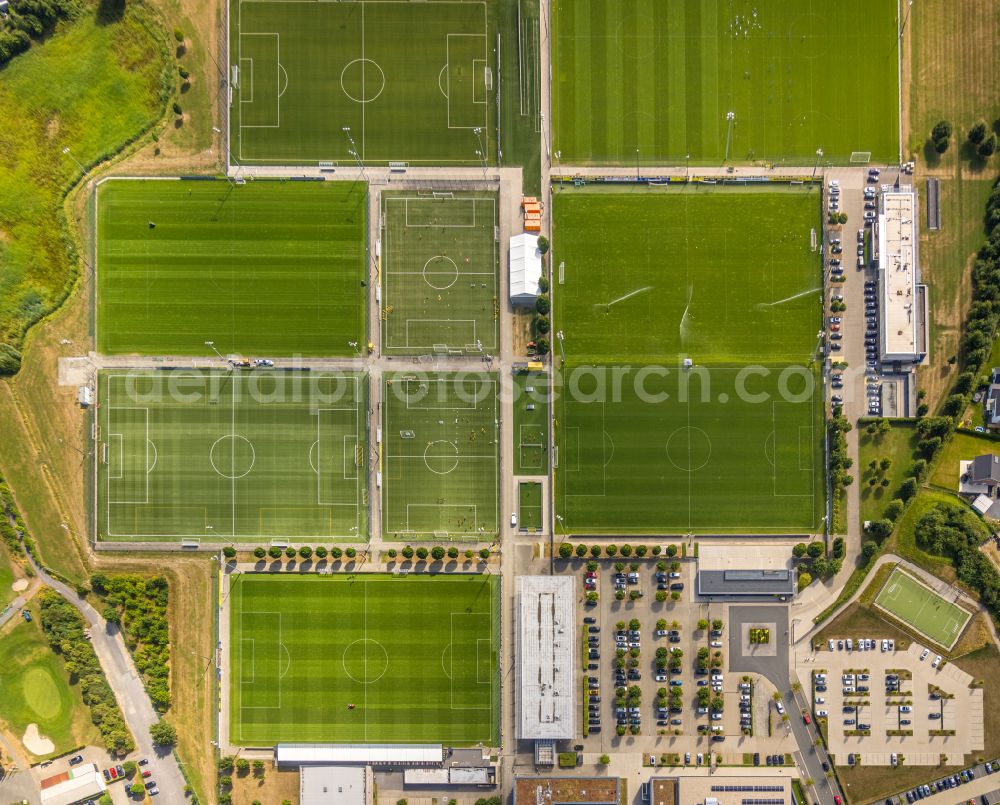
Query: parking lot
{"points": [[886, 706], [689, 724]]}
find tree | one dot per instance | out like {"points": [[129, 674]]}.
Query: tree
{"points": [[566, 551], [893, 509], [163, 733], [453, 552], [258, 767], [820, 567], [815, 549], [290, 552], [437, 553], [604, 760], [908, 489], [640, 550], [799, 550], [988, 146], [542, 325], [422, 552], [675, 596], [225, 763], [610, 550], [484, 553], [870, 548], [702, 624], [940, 135], [274, 552], [595, 550], [137, 789], [226, 781], [885, 463], [259, 553], [626, 550], [581, 550], [305, 552], [671, 550], [178, 34], [543, 244], [110, 614], [336, 553], [542, 346], [879, 529], [977, 133], [229, 552], [804, 580], [351, 553], [407, 552], [542, 305]]}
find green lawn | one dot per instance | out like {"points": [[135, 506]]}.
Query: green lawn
{"points": [[661, 274], [35, 689], [920, 607], [733, 443], [252, 455], [412, 81], [655, 81], [531, 427], [272, 268], [520, 104], [440, 456], [529, 504], [961, 447], [416, 656], [89, 88], [899, 445], [439, 273]]}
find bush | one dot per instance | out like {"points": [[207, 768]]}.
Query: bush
{"points": [[421, 552], [671, 550], [566, 551], [305, 552], [259, 552], [626, 550], [977, 133], [350, 553], [581, 550], [178, 34], [543, 244], [815, 549], [941, 135], [335, 552], [177, 109], [893, 510], [242, 764], [392, 553], [804, 580], [163, 733], [542, 325], [908, 489], [183, 73], [484, 554], [799, 550], [469, 553], [274, 552], [229, 552], [453, 552], [988, 146], [542, 346], [321, 552], [543, 285], [290, 552], [610, 550], [595, 550]]}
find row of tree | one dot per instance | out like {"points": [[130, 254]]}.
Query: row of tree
{"points": [[567, 551], [979, 136], [27, 20], [64, 629], [11, 524], [139, 605]]}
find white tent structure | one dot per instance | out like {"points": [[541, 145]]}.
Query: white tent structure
{"points": [[525, 269]]}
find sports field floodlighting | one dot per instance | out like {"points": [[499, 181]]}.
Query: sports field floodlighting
{"points": [[72, 156], [354, 345], [212, 345], [906, 19], [731, 117], [687, 167], [353, 151], [562, 346], [637, 164], [819, 156], [481, 151]]}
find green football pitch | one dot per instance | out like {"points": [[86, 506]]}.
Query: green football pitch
{"points": [[439, 273], [440, 456], [728, 279], [187, 454], [656, 81], [417, 657], [267, 268], [412, 82], [922, 609]]}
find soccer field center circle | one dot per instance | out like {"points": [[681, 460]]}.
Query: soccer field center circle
{"points": [[689, 448], [360, 68], [365, 660], [438, 269], [232, 456], [441, 456]]}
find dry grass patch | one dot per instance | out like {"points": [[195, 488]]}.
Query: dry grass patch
{"points": [[276, 785]]}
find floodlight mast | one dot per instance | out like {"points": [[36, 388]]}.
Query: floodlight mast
{"points": [[353, 151], [481, 151], [731, 117]]}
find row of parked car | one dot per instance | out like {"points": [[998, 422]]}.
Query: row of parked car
{"points": [[863, 644]]}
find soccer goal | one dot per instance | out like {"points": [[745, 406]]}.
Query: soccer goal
{"points": [[861, 157]]}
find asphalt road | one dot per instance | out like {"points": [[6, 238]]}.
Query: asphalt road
{"points": [[129, 691]]}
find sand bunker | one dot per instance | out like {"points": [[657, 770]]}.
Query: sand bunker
{"points": [[36, 743], [20, 585]]}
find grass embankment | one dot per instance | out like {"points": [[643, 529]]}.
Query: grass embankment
{"points": [[899, 445], [954, 62], [90, 88], [36, 689], [963, 446]]}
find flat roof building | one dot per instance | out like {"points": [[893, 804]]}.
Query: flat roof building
{"points": [[525, 267], [567, 791], [770, 787], [321, 785], [360, 754], [739, 570], [546, 654], [76, 785], [903, 308]]}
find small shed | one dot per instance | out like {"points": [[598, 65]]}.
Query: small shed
{"points": [[85, 396], [982, 504], [525, 269]]}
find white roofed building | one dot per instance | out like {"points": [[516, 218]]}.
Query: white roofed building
{"points": [[903, 309], [525, 266]]}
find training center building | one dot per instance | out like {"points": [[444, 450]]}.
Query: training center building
{"points": [[739, 571], [903, 312], [546, 648], [525, 265]]}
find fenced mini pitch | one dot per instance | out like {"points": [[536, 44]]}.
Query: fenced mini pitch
{"points": [[370, 658], [242, 455], [925, 611], [440, 456], [439, 273], [412, 82]]}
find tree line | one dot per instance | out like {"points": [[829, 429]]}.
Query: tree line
{"points": [[28, 20], [64, 629], [139, 605]]}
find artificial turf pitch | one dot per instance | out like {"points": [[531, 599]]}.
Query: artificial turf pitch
{"points": [[439, 273], [922, 609], [265, 268], [654, 81], [646, 279], [258, 455], [413, 82], [417, 657], [440, 456]]}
